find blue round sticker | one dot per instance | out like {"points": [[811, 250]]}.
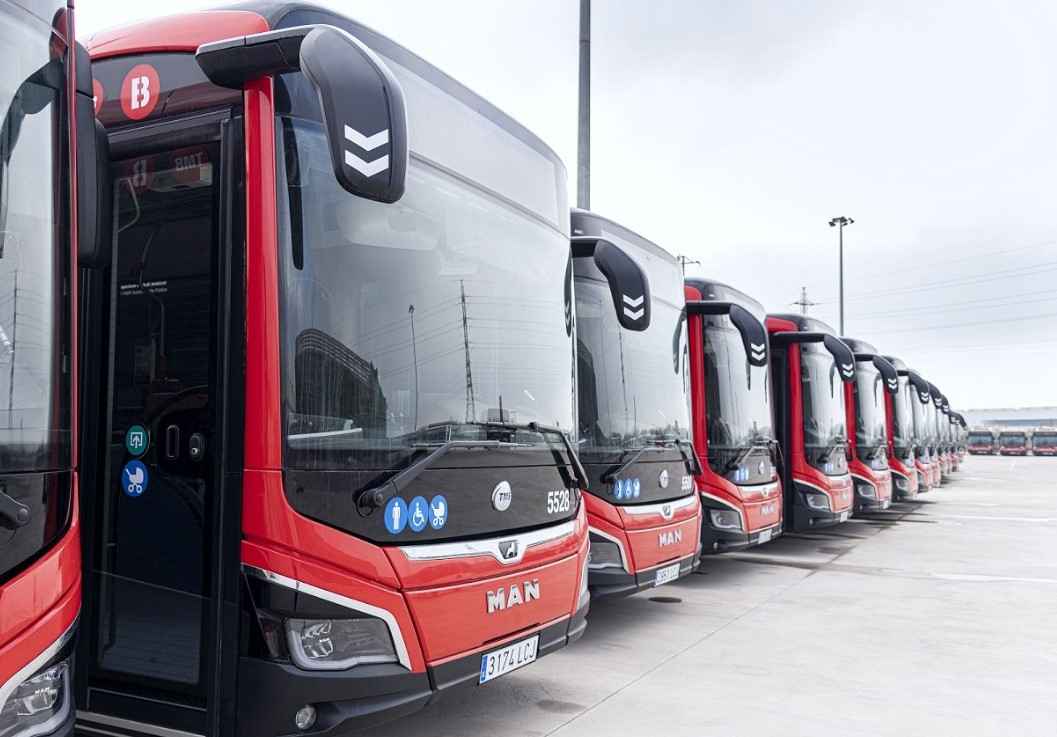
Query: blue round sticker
{"points": [[638, 488], [134, 478], [417, 512], [395, 515], [618, 489], [438, 512]]}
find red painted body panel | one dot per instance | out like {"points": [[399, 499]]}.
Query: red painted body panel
{"points": [[39, 605], [758, 511], [184, 32], [453, 620], [645, 551], [837, 488], [639, 534]]}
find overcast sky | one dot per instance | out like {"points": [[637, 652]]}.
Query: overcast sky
{"points": [[731, 132]]}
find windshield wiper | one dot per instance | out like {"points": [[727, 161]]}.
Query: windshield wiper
{"points": [[834, 444], [692, 462], [374, 498]]}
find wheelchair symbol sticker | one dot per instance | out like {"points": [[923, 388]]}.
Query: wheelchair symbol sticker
{"points": [[417, 511], [134, 478]]}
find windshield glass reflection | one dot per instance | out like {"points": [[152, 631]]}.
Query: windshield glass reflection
{"points": [[823, 398]]}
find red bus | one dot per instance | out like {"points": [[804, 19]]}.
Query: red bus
{"points": [[941, 431], [1044, 441], [866, 400], [47, 223], [730, 378], [903, 442], [1013, 443], [334, 384], [811, 366], [925, 431], [634, 410], [982, 441]]}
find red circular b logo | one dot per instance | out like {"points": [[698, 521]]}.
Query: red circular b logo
{"points": [[140, 92]]}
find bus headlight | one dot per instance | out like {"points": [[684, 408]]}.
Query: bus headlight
{"points": [[605, 554], [866, 490], [337, 644], [901, 483], [816, 501], [39, 704], [725, 519]]}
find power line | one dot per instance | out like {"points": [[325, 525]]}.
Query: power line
{"points": [[975, 323], [959, 306], [961, 281], [989, 254]]}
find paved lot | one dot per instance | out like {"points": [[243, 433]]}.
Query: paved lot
{"points": [[936, 618]]}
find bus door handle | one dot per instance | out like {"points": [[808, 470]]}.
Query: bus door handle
{"points": [[172, 442], [12, 514]]}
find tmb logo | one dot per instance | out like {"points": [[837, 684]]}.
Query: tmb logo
{"points": [[140, 92], [504, 598]]}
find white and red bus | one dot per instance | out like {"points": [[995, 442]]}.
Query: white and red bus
{"points": [[734, 429], [48, 223], [633, 395], [811, 366], [866, 401], [332, 384]]}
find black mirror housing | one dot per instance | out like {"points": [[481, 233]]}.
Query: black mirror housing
{"points": [[753, 332], [94, 205], [888, 373], [842, 355], [627, 283], [364, 114]]}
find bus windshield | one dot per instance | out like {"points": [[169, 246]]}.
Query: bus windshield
{"points": [[737, 394], [632, 384], [823, 398], [1048, 440], [34, 238], [902, 415], [1014, 439], [980, 438], [870, 429], [441, 317]]}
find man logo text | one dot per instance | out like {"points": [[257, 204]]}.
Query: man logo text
{"points": [[670, 538], [514, 596]]}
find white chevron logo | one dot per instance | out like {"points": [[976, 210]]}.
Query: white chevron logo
{"points": [[367, 143], [633, 302], [757, 351], [848, 369], [636, 314], [367, 168]]}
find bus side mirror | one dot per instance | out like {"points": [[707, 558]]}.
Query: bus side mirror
{"points": [[364, 114], [94, 203], [627, 283], [753, 334], [888, 373], [842, 355]]}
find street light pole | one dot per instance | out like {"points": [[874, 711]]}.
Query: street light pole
{"points": [[841, 221]]}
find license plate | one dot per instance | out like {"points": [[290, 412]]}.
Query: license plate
{"points": [[666, 574], [764, 537], [844, 516], [505, 659]]}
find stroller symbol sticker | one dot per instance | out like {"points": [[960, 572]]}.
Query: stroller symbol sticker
{"points": [[438, 512], [134, 478]]}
